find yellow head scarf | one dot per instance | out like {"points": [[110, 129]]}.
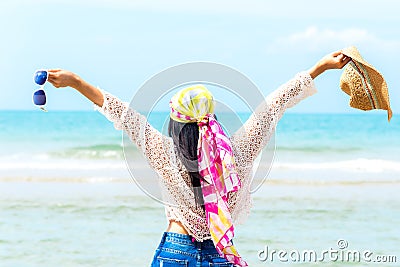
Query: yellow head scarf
{"points": [[192, 104]]}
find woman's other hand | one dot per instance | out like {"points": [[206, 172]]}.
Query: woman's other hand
{"points": [[335, 60], [63, 78]]}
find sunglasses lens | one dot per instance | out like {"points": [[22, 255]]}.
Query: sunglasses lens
{"points": [[39, 98], [40, 77]]}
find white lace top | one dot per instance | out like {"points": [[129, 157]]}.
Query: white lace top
{"points": [[247, 142]]}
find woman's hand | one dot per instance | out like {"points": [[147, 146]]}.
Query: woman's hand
{"points": [[62, 78], [335, 60]]}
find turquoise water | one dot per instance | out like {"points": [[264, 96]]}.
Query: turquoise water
{"points": [[35, 145], [57, 132], [67, 198]]}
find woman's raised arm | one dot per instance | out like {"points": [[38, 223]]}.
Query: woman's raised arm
{"points": [[250, 139], [63, 78], [136, 126]]}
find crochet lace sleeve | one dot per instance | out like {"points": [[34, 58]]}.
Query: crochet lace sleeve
{"points": [[150, 141], [250, 139]]}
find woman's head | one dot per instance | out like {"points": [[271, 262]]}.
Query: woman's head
{"points": [[192, 104]]}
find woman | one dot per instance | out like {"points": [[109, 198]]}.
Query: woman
{"points": [[205, 173]]}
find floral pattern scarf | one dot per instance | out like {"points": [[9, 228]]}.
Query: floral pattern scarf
{"points": [[216, 165]]}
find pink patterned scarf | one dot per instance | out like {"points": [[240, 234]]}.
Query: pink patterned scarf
{"points": [[216, 166]]}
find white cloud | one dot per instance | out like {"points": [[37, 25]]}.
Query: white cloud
{"points": [[315, 39]]}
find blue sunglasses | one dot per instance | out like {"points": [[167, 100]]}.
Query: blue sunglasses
{"points": [[39, 96]]}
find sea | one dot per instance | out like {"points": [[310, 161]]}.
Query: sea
{"points": [[328, 192]]}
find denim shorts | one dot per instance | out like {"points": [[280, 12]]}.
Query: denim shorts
{"points": [[179, 250]]}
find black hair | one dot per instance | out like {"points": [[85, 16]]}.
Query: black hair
{"points": [[185, 137]]}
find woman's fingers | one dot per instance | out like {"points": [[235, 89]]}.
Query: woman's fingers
{"points": [[342, 60], [337, 53], [340, 57], [61, 78], [54, 77], [54, 82], [345, 61]]}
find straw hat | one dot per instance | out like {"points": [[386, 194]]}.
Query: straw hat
{"points": [[364, 84]]}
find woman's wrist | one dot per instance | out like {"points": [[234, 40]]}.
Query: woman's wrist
{"points": [[316, 70], [89, 91], [76, 82]]}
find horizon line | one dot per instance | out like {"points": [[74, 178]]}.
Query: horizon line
{"points": [[360, 112]]}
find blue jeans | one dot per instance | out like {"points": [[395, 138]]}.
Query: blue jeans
{"points": [[179, 250]]}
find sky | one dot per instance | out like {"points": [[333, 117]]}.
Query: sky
{"points": [[119, 44]]}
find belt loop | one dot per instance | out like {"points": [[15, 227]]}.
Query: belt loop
{"points": [[164, 237]]}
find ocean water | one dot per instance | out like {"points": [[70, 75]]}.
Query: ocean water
{"points": [[68, 199]]}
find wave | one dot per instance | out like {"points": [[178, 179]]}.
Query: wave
{"points": [[41, 179], [102, 151], [92, 152], [308, 182], [44, 163], [318, 149], [268, 181], [62, 165], [359, 165]]}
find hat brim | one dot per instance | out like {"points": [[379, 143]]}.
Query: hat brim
{"points": [[379, 89]]}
